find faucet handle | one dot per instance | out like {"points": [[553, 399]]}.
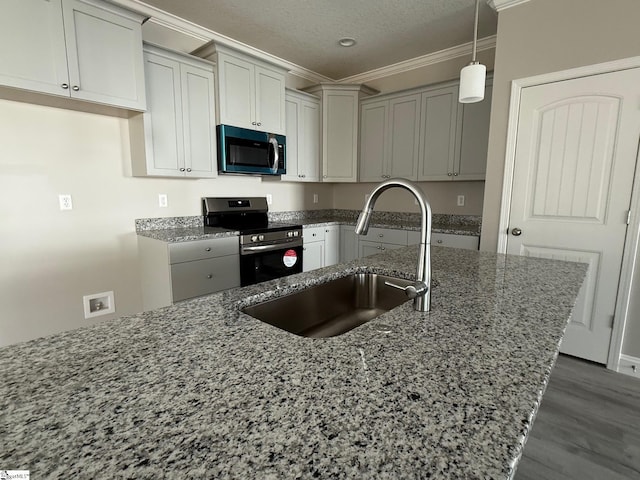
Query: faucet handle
{"points": [[418, 289]]}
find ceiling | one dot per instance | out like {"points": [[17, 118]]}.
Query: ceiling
{"points": [[306, 32]]}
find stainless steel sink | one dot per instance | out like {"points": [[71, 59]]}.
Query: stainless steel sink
{"points": [[332, 308]]}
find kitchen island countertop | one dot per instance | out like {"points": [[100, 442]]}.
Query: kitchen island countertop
{"points": [[201, 390]]}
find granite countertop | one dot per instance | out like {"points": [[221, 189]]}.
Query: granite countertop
{"points": [[201, 390], [184, 234], [400, 224]]}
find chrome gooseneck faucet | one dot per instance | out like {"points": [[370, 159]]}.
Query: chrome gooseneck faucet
{"points": [[421, 290]]}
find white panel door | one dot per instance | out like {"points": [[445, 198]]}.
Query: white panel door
{"points": [[33, 58], [575, 161], [104, 52], [404, 137], [292, 111], [164, 141], [237, 91], [198, 107], [340, 142], [309, 141], [439, 127], [374, 143], [270, 116]]}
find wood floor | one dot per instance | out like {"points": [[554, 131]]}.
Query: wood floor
{"points": [[588, 426]]}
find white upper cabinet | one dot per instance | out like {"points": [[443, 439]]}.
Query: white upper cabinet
{"points": [[175, 137], [251, 92], [389, 138], [454, 136], [303, 137], [474, 138], [438, 130], [339, 146], [83, 49]]}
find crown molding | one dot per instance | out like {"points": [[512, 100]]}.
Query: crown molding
{"points": [[465, 49], [499, 5], [185, 27]]}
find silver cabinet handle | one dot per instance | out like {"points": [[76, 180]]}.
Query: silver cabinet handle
{"points": [[188, 169], [516, 232], [259, 124], [449, 174], [439, 241], [253, 123], [75, 88], [455, 174], [209, 276], [382, 248], [208, 249], [182, 169], [65, 86]]}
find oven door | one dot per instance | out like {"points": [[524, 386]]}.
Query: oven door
{"points": [[260, 265]]}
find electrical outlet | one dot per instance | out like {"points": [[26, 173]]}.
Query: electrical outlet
{"points": [[163, 200], [65, 202], [461, 200], [98, 304], [315, 198], [269, 199]]}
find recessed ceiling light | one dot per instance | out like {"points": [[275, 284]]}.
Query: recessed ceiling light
{"points": [[346, 42]]}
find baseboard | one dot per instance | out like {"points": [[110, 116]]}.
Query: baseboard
{"points": [[629, 365]]}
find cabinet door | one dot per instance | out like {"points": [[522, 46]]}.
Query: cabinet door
{"points": [[309, 141], [32, 50], [292, 110], [340, 136], [331, 245], [198, 107], [313, 256], [348, 243], [404, 137], [474, 140], [438, 130], [374, 144], [236, 93], [163, 129], [104, 53], [192, 279], [270, 102], [468, 242]]}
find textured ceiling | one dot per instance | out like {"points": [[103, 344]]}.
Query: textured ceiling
{"points": [[306, 32]]}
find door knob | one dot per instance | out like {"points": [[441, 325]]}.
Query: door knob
{"points": [[516, 232]]}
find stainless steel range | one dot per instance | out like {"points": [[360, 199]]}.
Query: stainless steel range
{"points": [[268, 250]]}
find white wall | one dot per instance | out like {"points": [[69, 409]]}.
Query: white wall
{"points": [[442, 197], [50, 258]]}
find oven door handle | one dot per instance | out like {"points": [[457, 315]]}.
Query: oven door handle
{"points": [[266, 248]]}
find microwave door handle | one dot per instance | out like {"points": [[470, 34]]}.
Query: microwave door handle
{"points": [[276, 154]]}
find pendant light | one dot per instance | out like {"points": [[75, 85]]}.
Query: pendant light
{"points": [[472, 77]]}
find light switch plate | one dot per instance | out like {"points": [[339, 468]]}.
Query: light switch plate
{"points": [[461, 200], [65, 202]]}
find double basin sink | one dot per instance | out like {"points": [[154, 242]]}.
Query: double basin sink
{"points": [[332, 308]]}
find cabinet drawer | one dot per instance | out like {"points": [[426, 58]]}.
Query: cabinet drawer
{"points": [[386, 235], [200, 249], [201, 277], [313, 234], [469, 242]]}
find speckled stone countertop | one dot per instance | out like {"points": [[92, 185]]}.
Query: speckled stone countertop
{"points": [[182, 229], [201, 390]]}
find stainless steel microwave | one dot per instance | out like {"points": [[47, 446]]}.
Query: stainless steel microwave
{"points": [[241, 150]]}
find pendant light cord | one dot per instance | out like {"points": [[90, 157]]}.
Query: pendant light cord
{"points": [[475, 34]]}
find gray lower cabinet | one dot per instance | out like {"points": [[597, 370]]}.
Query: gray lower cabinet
{"points": [[171, 272], [470, 242], [348, 243], [377, 240]]}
